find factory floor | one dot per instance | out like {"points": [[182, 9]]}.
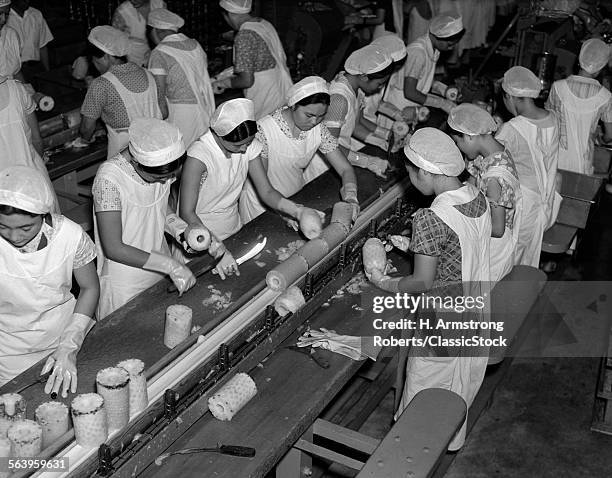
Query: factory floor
{"points": [[539, 421]]}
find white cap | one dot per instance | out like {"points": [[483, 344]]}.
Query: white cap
{"points": [[154, 142], [236, 6], [392, 44], [5, 3], [471, 119], [311, 85], [594, 55], [367, 60], [164, 20], [110, 40], [231, 114], [521, 82], [444, 26], [25, 188], [434, 151]]}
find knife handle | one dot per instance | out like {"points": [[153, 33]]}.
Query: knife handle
{"points": [[235, 450]]}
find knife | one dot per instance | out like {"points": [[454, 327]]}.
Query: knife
{"points": [[256, 249]]}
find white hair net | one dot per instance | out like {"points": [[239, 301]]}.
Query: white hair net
{"points": [[594, 55], [231, 114], [155, 142], [164, 19], [110, 40], [393, 45], [25, 188], [471, 119], [367, 60], [521, 82], [444, 26], [236, 6], [434, 151], [311, 85]]}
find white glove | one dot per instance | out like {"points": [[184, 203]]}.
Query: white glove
{"points": [[439, 102], [63, 360], [400, 242], [79, 143], [226, 266], [391, 111], [348, 193], [181, 275], [347, 345], [377, 141], [377, 165], [219, 86], [174, 226], [383, 281]]}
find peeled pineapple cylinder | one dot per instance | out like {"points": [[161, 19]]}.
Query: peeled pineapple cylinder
{"points": [[374, 256], [311, 223]]}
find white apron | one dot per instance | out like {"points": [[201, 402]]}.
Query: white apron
{"points": [[36, 304], [192, 119], [217, 205], [462, 375], [431, 58], [287, 159], [581, 117], [138, 105], [143, 217], [139, 45], [540, 208], [269, 89], [16, 137], [503, 249]]}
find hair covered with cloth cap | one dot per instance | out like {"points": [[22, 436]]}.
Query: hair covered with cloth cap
{"points": [[311, 85], [110, 40], [594, 55], [236, 6], [155, 142], [445, 25], [392, 44], [470, 119], [164, 19], [25, 188], [231, 114], [434, 151], [367, 60], [521, 82]]}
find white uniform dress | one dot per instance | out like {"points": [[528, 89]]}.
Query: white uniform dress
{"points": [[462, 375], [16, 146], [421, 59], [269, 89], [35, 299], [217, 205], [193, 120], [580, 116], [541, 202], [10, 52], [137, 29], [33, 32], [143, 216]]}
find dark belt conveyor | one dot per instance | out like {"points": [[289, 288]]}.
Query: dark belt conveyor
{"points": [[136, 331]]}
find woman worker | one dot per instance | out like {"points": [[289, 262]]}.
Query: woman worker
{"points": [[290, 137], [130, 194], [260, 63], [131, 17], [450, 242], [532, 138], [39, 254], [214, 174], [124, 91]]}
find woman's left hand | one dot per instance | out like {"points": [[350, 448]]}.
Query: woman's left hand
{"points": [[227, 266]]}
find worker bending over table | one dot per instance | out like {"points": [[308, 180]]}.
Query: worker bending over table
{"points": [[532, 138], [450, 241], [290, 137], [39, 254], [260, 63], [214, 175], [180, 68], [130, 194], [124, 91]]}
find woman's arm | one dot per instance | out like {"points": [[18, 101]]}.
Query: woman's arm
{"points": [[36, 138], [89, 285], [270, 196], [110, 230], [193, 169], [342, 166], [498, 213], [160, 82]]}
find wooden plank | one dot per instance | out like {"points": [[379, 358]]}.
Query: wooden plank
{"points": [[326, 454], [345, 436]]}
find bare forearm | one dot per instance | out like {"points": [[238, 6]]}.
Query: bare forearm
{"points": [[125, 254], [87, 301], [44, 57], [88, 126]]}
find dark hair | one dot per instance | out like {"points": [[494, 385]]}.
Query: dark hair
{"points": [[381, 74], [449, 130], [314, 99], [454, 38], [399, 63], [164, 168], [241, 132], [11, 210], [93, 51]]}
